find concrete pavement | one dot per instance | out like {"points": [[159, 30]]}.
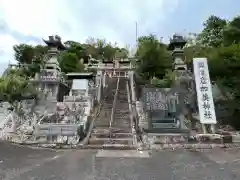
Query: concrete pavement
{"points": [[22, 163]]}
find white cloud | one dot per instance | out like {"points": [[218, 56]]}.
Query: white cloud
{"points": [[77, 19], [6, 50], [80, 19], [31, 17], [6, 43]]}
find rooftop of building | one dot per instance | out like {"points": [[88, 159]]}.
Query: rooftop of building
{"points": [[176, 40], [80, 75], [55, 41]]}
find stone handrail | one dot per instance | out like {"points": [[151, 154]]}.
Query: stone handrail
{"points": [[96, 114], [142, 120], [130, 105]]}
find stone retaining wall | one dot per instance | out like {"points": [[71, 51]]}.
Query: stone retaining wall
{"points": [[198, 141]]}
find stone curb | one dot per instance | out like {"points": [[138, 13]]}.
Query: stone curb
{"points": [[140, 147], [188, 146], [50, 146], [200, 141], [216, 138], [199, 138]]}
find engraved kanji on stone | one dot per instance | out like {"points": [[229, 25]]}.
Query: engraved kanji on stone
{"points": [[205, 97], [203, 80], [148, 106], [149, 97], [206, 105], [202, 72], [208, 114], [203, 88], [201, 65]]}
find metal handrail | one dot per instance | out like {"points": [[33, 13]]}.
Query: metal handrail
{"points": [[114, 104]]}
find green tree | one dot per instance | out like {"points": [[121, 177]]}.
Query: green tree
{"points": [[14, 88], [224, 69], [101, 49], [30, 58], [24, 53], [231, 33], [76, 48], [212, 33], [69, 62], [153, 56], [121, 53]]}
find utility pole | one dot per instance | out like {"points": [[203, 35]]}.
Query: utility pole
{"points": [[136, 33]]}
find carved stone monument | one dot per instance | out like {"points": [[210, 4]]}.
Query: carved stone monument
{"points": [[51, 79], [183, 77], [165, 106]]}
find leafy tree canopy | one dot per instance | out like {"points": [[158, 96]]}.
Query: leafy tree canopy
{"points": [[153, 56]]}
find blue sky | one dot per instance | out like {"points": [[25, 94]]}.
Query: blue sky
{"points": [[27, 21]]}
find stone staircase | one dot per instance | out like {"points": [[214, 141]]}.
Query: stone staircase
{"points": [[122, 114], [121, 126], [118, 135]]}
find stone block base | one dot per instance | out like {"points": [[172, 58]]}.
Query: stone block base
{"points": [[198, 141]]}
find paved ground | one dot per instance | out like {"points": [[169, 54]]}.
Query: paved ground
{"points": [[21, 163]]}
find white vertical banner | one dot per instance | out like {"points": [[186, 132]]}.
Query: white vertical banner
{"points": [[204, 91]]}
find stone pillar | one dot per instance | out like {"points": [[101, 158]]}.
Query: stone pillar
{"points": [[132, 86], [55, 90], [87, 88], [133, 100], [104, 79], [129, 104]]}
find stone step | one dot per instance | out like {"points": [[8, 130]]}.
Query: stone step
{"points": [[106, 107], [113, 135], [101, 130], [121, 118], [166, 138], [121, 129], [103, 119], [119, 122], [111, 141], [114, 129], [102, 125], [121, 125], [171, 140], [166, 130], [110, 146], [117, 113], [121, 112]]}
